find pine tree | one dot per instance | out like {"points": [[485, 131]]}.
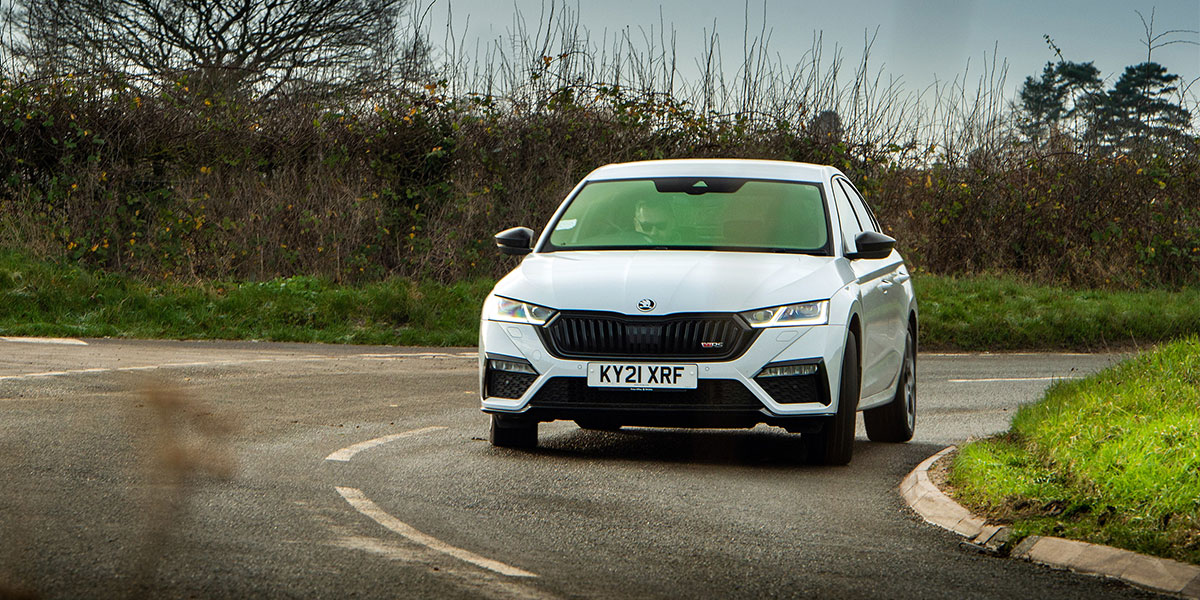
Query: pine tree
{"points": [[1061, 98], [1138, 110]]}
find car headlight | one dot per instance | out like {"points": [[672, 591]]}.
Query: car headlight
{"points": [[513, 311], [805, 313]]}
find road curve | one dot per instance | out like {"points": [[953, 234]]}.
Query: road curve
{"points": [[217, 469]]}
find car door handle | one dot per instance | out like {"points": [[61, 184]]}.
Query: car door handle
{"points": [[901, 277]]}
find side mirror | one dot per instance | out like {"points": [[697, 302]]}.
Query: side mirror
{"points": [[872, 244], [516, 241]]}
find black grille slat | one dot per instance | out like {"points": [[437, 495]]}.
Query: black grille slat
{"points": [[609, 335]]}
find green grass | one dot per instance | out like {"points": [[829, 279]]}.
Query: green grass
{"points": [[970, 313], [1111, 459], [1004, 313], [43, 299]]}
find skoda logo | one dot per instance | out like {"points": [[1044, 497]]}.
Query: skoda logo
{"points": [[645, 305]]}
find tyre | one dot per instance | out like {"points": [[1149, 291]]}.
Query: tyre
{"points": [[597, 425], [512, 432], [895, 421], [834, 445]]}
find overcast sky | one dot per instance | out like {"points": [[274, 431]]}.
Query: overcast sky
{"points": [[918, 40]]}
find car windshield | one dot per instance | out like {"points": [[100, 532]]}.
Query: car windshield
{"points": [[692, 213]]}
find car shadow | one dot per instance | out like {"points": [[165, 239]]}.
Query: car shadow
{"points": [[760, 447]]}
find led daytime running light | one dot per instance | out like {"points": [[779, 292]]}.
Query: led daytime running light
{"points": [[805, 313], [513, 311], [789, 371], [510, 366]]}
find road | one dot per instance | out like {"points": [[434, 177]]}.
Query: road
{"points": [[221, 469]]}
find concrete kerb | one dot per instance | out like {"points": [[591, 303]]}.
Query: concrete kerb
{"points": [[1157, 574]]}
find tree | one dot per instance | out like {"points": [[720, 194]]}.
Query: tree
{"points": [[223, 46], [1138, 109], [1061, 99], [826, 127]]}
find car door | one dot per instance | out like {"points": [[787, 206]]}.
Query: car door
{"points": [[883, 302]]}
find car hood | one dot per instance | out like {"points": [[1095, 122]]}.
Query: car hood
{"points": [[677, 281]]}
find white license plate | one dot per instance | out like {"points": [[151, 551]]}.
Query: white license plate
{"points": [[642, 376]]}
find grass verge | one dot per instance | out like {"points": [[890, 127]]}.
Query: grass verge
{"points": [[997, 313], [1112, 459], [45, 299]]}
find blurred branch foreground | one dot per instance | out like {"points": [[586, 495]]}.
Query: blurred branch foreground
{"points": [[184, 445], [167, 141]]}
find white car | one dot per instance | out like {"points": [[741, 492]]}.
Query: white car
{"points": [[704, 293]]}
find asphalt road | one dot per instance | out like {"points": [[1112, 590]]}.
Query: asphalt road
{"points": [[171, 469]]}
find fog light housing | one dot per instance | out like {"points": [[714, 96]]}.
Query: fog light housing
{"points": [[795, 382], [507, 377]]}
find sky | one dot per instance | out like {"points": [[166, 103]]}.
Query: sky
{"points": [[919, 41]]}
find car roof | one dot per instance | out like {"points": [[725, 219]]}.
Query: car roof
{"points": [[714, 167]]}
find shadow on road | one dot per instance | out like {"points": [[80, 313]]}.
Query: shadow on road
{"points": [[760, 447]]}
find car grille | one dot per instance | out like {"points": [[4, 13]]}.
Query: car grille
{"points": [[564, 392], [684, 337]]}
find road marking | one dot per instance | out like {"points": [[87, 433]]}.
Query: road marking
{"points": [[425, 355], [44, 340], [996, 379], [345, 454], [215, 363], [364, 505]]}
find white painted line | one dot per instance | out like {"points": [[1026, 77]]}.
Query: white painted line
{"points": [[420, 355], [33, 375], [993, 380], [216, 363], [364, 505], [43, 340], [345, 454]]}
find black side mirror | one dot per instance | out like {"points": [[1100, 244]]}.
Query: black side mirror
{"points": [[872, 244], [517, 241]]}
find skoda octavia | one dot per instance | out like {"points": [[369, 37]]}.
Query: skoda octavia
{"points": [[704, 293]]}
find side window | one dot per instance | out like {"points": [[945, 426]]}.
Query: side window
{"points": [[866, 216], [851, 225]]}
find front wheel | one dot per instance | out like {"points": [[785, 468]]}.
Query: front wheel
{"points": [[834, 444], [512, 432], [896, 421]]}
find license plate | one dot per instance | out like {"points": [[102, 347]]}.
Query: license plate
{"points": [[642, 376]]}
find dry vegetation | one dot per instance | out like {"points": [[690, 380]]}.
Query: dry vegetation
{"points": [[165, 181]]}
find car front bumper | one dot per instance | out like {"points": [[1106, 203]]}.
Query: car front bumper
{"points": [[728, 393]]}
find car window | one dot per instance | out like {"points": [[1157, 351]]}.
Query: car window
{"points": [[861, 208], [851, 225], [694, 213]]}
